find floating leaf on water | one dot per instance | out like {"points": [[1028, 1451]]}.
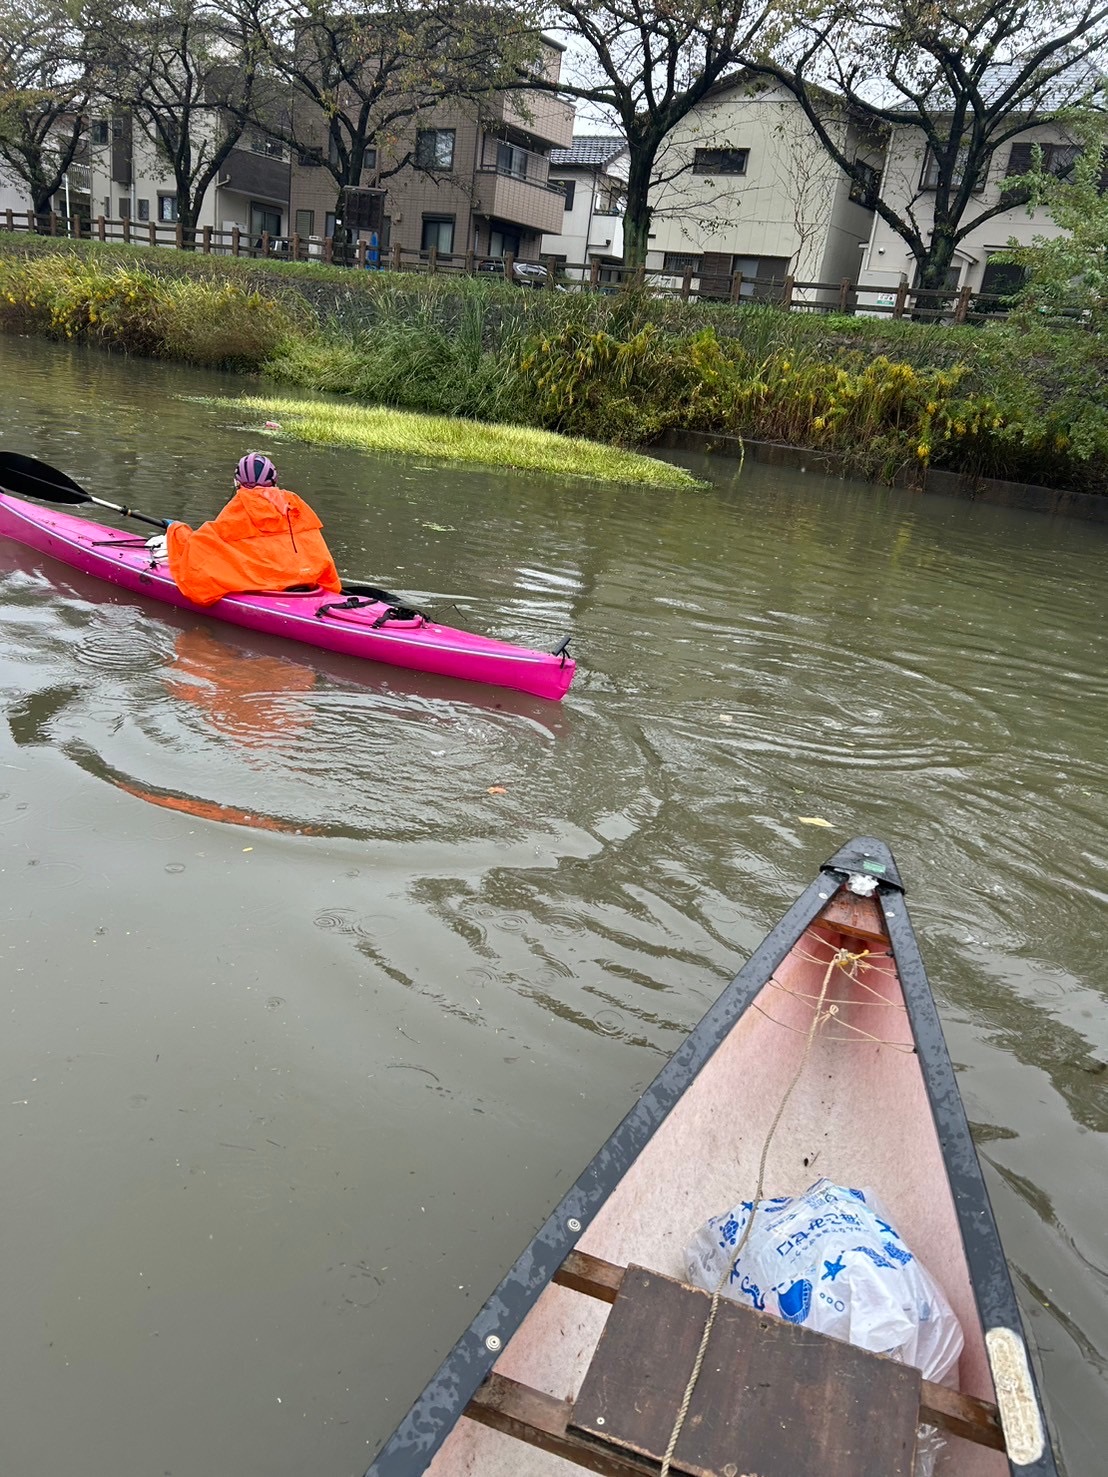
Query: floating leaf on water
{"points": [[813, 820], [497, 790]]}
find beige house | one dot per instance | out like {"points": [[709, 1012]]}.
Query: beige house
{"points": [[744, 186], [479, 179], [908, 185]]}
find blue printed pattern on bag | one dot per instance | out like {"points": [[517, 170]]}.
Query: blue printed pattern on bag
{"points": [[795, 1303]]}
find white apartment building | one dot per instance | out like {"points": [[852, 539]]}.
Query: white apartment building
{"points": [[908, 185], [130, 181], [745, 187], [592, 172]]}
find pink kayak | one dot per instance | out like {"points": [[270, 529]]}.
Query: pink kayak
{"points": [[352, 624]]}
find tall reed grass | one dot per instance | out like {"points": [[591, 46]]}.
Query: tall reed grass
{"points": [[215, 324], [1017, 399]]}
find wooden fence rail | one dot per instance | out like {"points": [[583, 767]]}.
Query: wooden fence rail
{"points": [[550, 273]]}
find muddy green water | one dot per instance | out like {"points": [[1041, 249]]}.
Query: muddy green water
{"points": [[305, 1030]]}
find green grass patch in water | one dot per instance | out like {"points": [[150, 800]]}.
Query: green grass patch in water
{"points": [[448, 438]]}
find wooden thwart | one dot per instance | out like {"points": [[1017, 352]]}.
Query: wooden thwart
{"points": [[772, 1397]]}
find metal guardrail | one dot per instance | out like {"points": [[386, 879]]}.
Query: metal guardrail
{"points": [[788, 294]]}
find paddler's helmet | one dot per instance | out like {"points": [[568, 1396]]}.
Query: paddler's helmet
{"points": [[255, 470]]}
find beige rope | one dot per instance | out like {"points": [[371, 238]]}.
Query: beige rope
{"points": [[839, 959]]}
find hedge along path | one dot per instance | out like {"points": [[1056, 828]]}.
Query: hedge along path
{"points": [[451, 439]]}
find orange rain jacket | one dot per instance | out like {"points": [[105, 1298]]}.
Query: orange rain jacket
{"points": [[264, 539]]}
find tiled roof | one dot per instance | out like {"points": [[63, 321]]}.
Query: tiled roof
{"points": [[599, 148]]}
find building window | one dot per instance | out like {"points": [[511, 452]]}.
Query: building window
{"points": [[305, 222], [369, 160], [438, 233], [264, 220], [679, 262], [144, 210], [1002, 280], [863, 187], [761, 275], [504, 243], [720, 161], [124, 208], [330, 220], [435, 148], [511, 159], [167, 207], [569, 189], [1058, 159], [98, 133], [930, 178]]}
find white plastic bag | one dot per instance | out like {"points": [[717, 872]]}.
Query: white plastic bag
{"points": [[832, 1260]]}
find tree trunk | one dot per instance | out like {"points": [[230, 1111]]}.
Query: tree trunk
{"points": [[934, 267], [636, 217], [187, 213]]}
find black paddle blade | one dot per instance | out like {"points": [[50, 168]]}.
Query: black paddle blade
{"points": [[26, 477]]}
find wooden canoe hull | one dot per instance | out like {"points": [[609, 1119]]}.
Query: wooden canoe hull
{"points": [[865, 1095]]}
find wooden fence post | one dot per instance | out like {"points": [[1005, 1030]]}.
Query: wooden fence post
{"points": [[470, 265], [433, 260], [294, 243], [396, 257], [901, 298], [101, 230], [787, 294], [53, 223], [961, 309], [265, 243], [75, 226], [328, 249], [736, 287], [32, 223], [10, 220], [207, 239], [640, 276], [686, 284], [509, 266], [550, 273], [844, 295], [236, 236], [179, 237], [152, 232], [594, 274]]}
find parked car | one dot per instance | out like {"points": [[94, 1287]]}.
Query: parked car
{"points": [[527, 274]]}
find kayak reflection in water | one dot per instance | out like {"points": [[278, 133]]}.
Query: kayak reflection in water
{"points": [[254, 701], [250, 699], [265, 539]]}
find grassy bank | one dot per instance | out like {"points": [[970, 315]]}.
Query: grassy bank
{"points": [[453, 439], [1010, 399]]}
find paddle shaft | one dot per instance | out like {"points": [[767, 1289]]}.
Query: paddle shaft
{"points": [[162, 523], [26, 477]]}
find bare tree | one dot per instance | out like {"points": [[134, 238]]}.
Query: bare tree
{"points": [[645, 64], [963, 79], [358, 75], [46, 73], [185, 70]]}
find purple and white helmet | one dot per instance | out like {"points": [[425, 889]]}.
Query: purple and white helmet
{"points": [[256, 470]]}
